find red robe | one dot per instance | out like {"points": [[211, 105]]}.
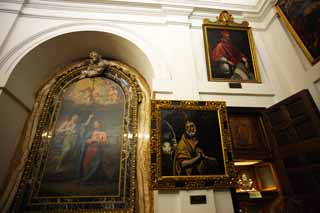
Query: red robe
{"points": [[93, 145], [228, 50]]}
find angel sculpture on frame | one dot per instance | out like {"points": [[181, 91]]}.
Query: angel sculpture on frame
{"points": [[96, 66]]}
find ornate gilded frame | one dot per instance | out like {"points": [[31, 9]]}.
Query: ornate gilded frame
{"points": [[242, 34], [273, 176], [44, 117], [165, 111], [290, 13]]}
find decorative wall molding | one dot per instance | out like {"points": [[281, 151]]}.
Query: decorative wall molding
{"points": [[241, 5], [11, 6], [238, 93], [147, 11]]}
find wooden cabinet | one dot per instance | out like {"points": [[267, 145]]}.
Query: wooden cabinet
{"points": [[295, 128], [287, 136], [258, 188], [248, 133], [252, 155]]}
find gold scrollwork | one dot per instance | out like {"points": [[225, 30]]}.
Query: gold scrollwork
{"points": [[226, 18]]}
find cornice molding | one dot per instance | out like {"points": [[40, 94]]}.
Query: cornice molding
{"points": [[257, 23], [254, 6], [11, 6], [175, 15], [177, 12], [243, 5], [137, 9]]}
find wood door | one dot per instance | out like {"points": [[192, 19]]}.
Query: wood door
{"points": [[294, 124]]}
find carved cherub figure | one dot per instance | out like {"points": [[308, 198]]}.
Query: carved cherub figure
{"points": [[96, 66]]}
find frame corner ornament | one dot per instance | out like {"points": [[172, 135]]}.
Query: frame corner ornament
{"points": [[226, 18]]}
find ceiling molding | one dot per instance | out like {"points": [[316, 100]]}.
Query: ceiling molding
{"points": [[11, 6], [178, 12], [244, 5]]}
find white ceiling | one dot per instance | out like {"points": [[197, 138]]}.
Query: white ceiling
{"points": [[180, 2], [246, 6]]}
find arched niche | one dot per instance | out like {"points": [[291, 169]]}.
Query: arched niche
{"points": [[58, 142], [43, 60]]}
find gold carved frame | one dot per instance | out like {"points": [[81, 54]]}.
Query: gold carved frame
{"points": [[225, 22], [39, 128], [275, 186], [223, 179]]}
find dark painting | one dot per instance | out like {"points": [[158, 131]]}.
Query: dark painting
{"points": [[190, 145], [303, 20], [186, 134]]}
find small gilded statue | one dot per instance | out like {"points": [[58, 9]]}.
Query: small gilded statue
{"points": [[245, 183]]}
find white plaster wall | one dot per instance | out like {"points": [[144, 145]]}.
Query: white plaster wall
{"points": [[178, 80], [13, 116], [174, 45], [178, 59], [291, 67], [6, 22]]}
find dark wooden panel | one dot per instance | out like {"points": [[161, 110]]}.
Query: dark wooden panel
{"points": [[277, 117], [285, 136], [302, 183], [296, 107], [295, 141], [305, 129], [248, 133]]}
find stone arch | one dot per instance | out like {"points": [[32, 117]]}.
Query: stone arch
{"points": [[26, 53], [156, 68]]}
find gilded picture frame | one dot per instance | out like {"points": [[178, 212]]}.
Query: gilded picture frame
{"points": [[83, 148], [190, 145], [302, 20], [230, 51], [266, 176]]}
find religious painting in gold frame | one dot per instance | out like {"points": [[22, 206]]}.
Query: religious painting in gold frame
{"points": [[302, 18], [229, 50], [190, 145], [83, 151]]}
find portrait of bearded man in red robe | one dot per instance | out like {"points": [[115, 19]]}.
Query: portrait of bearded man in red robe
{"points": [[229, 61]]}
